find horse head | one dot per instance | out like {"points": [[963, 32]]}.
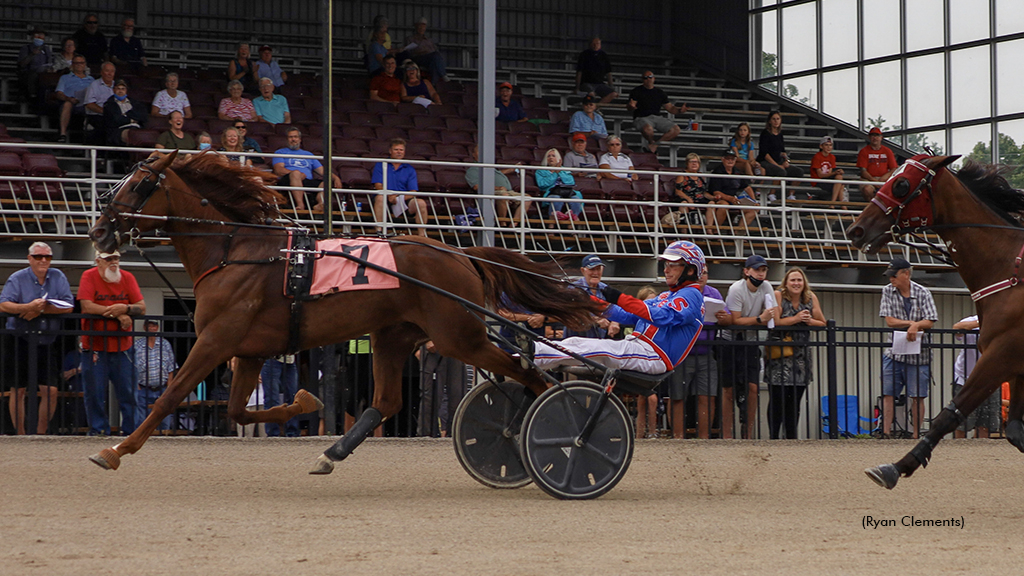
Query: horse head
{"points": [[134, 195], [903, 202]]}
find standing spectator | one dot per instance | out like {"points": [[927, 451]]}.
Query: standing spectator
{"points": [[175, 137], [377, 51], [401, 178], [728, 191], [646, 102], [591, 272], [385, 86], [749, 302], [594, 73], [170, 99], [28, 296], [71, 89], [442, 386], [906, 306], [34, 58], [235, 107], [508, 110], [154, 367], [248, 144], [876, 163], [772, 150], [113, 294], [587, 121], [986, 417], [578, 157], [280, 377], [417, 89], [380, 24], [689, 189], [90, 41], [823, 166], [271, 108], [126, 50], [743, 145], [230, 141], [96, 96], [62, 59], [298, 172], [502, 187], [614, 159], [789, 376], [647, 406], [424, 52], [242, 69], [267, 67], [120, 115], [558, 184]]}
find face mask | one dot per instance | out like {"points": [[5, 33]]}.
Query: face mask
{"points": [[37, 42], [204, 145], [120, 98], [127, 33], [757, 283]]}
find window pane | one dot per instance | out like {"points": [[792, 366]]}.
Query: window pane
{"points": [[839, 31], [1011, 142], [974, 142], [764, 26], [926, 101], [968, 20], [1009, 17], [882, 96], [1009, 80], [882, 35], [935, 140], [925, 22], [840, 96], [799, 38], [772, 86], [803, 90], [970, 84]]}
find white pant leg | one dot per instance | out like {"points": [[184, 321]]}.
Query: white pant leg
{"points": [[628, 354]]}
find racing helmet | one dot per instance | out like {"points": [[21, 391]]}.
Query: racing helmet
{"points": [[687, 252]]}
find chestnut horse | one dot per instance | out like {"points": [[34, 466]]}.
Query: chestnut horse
{"points": [[977, 213], [221, 221]]}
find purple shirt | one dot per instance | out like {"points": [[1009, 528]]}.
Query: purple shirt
{"points": [[708, 333]]}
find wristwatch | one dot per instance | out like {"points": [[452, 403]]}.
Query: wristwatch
{"points": [[758, 318]]}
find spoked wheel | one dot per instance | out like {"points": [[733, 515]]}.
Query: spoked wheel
{"points": [[486, 433], [549, 442]]}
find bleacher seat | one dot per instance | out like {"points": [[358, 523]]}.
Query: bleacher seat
{"points": [[445, 111], [397, 120], [460, 124], [559, 129], [10, 163], [560, 116], [202, 98], [526, 140], [430, 122], [350, 147], [453, 150], [375, 107], [354, 176], [41, 165], [391, 132], [425, 136], [194, 125], [425, 179], [358, 131], [420, 148], [410, 110], [344, 106], [547, 142], [511, 155], [466, 138], [520, 127], [363, 119]]}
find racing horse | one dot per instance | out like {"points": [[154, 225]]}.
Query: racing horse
{"points": [[978, 216], [223, 223]]}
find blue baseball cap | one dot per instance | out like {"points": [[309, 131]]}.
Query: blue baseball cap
{"points": [[895, 266], [592, 261], [756, 261]]}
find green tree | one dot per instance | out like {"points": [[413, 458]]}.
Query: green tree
{"points": [[1010, 154], [915, 142], [769, 65]]}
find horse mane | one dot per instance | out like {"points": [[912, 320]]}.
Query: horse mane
{"points": [[988, 183], [238, 192]]}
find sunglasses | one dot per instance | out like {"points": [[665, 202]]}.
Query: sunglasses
{"points": [[42, 256], [92, 21], [646, 77], [240, 127]]}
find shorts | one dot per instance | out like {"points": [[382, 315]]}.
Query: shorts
{"points": [[823, 192], [16, 363], [306, 182], [896, 376], [696, 376], [600, 89], [513, 195], [988, 415], [659, 123], [740, 365]]}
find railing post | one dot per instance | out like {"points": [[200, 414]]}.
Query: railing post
{"points": [[785, 223], [833, 379], [657, 220], [92, 187], [384, 192]]}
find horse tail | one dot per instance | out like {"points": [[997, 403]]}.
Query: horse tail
{"points": [[517, 279]]}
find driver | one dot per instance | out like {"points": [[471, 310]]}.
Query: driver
{"points": [[666, 325]]}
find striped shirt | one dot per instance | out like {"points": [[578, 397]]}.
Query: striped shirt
{"points": [[152, 365], [922, 308]]}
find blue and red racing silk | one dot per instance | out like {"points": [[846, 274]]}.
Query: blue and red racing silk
{"points": [[670, 322]]}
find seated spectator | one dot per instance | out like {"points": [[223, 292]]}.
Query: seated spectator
{"points": [[299, 172], [376, 51], [71, 90], [235, 107], [646, 102], [558, 184], [267, 67], [91, 42], [175, 137], [231, 141], [587, 121], [62, 59], [380, 23], [248, 144], [731, 191], [594, 73], [204, 141], [170, 99], [271, 108], [416, 89], [823, 166], [578, 157], [509, 110], [96, 96], [424, 52], [34, 58], [876, 163], [772, 150], [502, 187], [385, 87], [121, 115], [126, 50], [689, 190], [743, 145], [242, 69], [614, 159], [401, 178]]}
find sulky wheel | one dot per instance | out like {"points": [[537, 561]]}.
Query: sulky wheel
{"points": [[486, 433], [548, 442]]}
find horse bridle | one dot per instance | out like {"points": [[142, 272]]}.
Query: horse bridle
{"points": [[115, 211]]}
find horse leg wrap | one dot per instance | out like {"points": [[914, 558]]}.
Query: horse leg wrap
{"points": [[368, 421], [923, 452], [960, 418], [1015, 433]]}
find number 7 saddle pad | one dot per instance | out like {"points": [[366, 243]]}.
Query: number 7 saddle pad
{"points": [[339, 274]]}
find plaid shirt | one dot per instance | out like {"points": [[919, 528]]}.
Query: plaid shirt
{"points": [[152, 365], [922, 308]]}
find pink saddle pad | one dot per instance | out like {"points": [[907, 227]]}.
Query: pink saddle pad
{"points": [[339, 274]]}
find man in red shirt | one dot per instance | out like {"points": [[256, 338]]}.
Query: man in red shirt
{"points": [[876, 163], [385, 87], [112, 293]]}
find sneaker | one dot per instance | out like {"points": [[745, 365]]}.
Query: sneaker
{"points": [[526, 346], [772, 197], [62, 139], [446, 78], [573, 216], [561, 216], [791, 197], [737, 219]]}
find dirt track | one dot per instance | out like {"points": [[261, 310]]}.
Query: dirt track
{"points": [[227, 506]]}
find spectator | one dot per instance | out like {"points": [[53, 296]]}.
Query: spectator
{"points": [[424, 52], [986, 417], [646, 102], [614, 159], [442, 386], [29, 296], [230, 141], [587, 121], [401, 178], [578, 157], [71, 89], [689, 190], [121, 115], [502, 187], [416, 89], [170, 99], [126, 50], [823, 166], [789, 368], [558, 184], [772, 150], [235, 107], [204, 141], [728, 191], [591, 274], [594, 73], [175, 137], [271, 108], [34, 58], [508, 110], [267, 67], [386, 87], [647, 406], [380, 23], [96, 96], [908, 308], [743, 145], [90, 41], [248, 144], [280, 377], [749, 302], [876, 163], [298, 172], [242, 69], [376, 51], [154, 367], [62, 60], [113, 294]]}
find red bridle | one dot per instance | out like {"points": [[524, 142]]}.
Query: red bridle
{"points": [[908, 193]]}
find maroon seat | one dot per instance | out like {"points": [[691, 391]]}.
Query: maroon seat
{"points": [[46, 191], [376, 107], [354, 93], [547, 142], [560, 129], [613, 186], [397, 121], [354, 176], [431, 122], [350, 147], [444, 110], [380, 148], [460, 124], [13, 149], [362, 132], [11, 188], [194, 125], [363, 119], [425, 136], [277, 141], [453, 181], [203, 98], [523, 140], [425, 179], [10, 164], [531, 103], [305, 116], [468, 111], [590, 185], [253, 129], [520, 127], [511, 155], [410, 110], [345, 106], [216, 126], [391, 132], [466, 138], [557, 116], [454, 150], [419, 148], [41, 165], [593, 211], [624, 212]]}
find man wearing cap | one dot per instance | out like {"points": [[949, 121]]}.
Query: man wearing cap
{"points": [[876, 163], [155, 365], [90, 42], [750, 302], [823, 166], [591, 270], [594, 73], [502, 187], [907, 307], [508, 110], [424, 52], [587, 121], [646, 102], [728, 190], [267, 67], [113, 294], [386, 87], [578, 157]]}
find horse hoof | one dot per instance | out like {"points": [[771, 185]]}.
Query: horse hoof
{"points": [[308, 402], [323, 465], [108, 459], [885, 475]]}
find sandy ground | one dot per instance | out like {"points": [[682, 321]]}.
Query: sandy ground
{"points": [[231, 506]]}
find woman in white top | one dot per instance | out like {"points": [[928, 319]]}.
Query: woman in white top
{"points": [[171, 99], [614, 159]]}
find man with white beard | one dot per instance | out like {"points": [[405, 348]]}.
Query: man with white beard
{"points": [[112, 293]]}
